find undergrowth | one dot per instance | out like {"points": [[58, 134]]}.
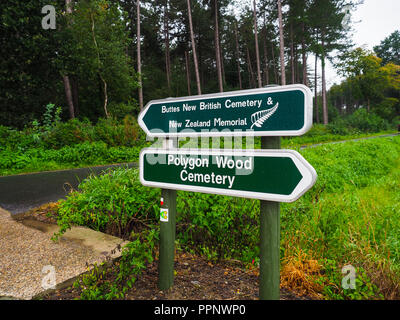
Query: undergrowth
{"points": [[350, 217]]}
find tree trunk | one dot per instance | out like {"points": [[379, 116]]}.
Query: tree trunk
{"points": [[222, 66], [256, 43], [266, 69], [167, 54], [68, 94], [296, 65], [66, 79], [265, 52], [238, 56], [217, 49], [293, 75], [196, 67], [304, 56], [75, 94], [187, 72], [281, 44], [324, 102], [274, 64], [250, 70], [99, 71], [316, 88], [139, 60]]}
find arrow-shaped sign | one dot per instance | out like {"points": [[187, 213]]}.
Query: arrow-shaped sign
{"points": [[274, 175], [272, 111]]}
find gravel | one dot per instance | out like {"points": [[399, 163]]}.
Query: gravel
{"points": [[25, 253]]}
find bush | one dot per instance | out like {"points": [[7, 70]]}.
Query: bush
{"points": [[367, 122], [115, 202], [360, 121], [121, 110], [387, 108], [217, 226], [68, 133], [340, 127]]}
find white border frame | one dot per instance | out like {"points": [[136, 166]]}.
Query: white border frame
{"points": [[308, 114], [306, 170]]}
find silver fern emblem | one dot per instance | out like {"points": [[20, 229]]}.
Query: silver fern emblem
{"points": [[258, 118]]}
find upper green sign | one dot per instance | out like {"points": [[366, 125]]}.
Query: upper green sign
{"points": [[272, 111]]}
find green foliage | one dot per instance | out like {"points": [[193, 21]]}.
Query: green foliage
{"points": [[364, 288], [98, 284], [51, 117], [29, 78], [389, 48], [60, 145], [205, 221], [94, 51], [115, 202], [359, 121], [369, 84]]}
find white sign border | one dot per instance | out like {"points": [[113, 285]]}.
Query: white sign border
{"points": [[308, 114], [306, 170]]}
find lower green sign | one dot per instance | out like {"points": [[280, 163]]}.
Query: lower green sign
{"points": [[274, 175]]}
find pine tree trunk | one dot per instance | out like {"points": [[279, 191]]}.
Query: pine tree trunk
{"points": [[139, 60], [75, 94], [250, 70], [316, 89], [66, 79], [167, 54], [274, 64], [238, 56], [281, 45], [292, 55], [324, 102], [99, 71], [304, 56], [196, 67], [187, 73], [222, 66], [256, 43], [68, 94], [266, 69], [217, 49]]}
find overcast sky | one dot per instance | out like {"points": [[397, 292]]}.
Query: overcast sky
{"points": [[373, 21]]}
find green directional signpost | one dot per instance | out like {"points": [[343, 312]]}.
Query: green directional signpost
{"points": [[276, 111], [274, 175], [269, 174]]}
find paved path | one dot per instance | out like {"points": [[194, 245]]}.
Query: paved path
{"points": [[19, 193], [26, 250]]}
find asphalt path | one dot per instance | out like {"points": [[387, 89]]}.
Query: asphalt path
{"points": [[20, 193]]}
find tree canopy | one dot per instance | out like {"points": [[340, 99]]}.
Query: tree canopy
{"points": [[89, 62]]}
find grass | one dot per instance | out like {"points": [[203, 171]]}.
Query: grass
{"points": [[320, 134]]}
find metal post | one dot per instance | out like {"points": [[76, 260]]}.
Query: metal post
{"points": [[167, 235], [269, 239]]}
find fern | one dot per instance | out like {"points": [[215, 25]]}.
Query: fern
{"points": [[260, 117]]}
